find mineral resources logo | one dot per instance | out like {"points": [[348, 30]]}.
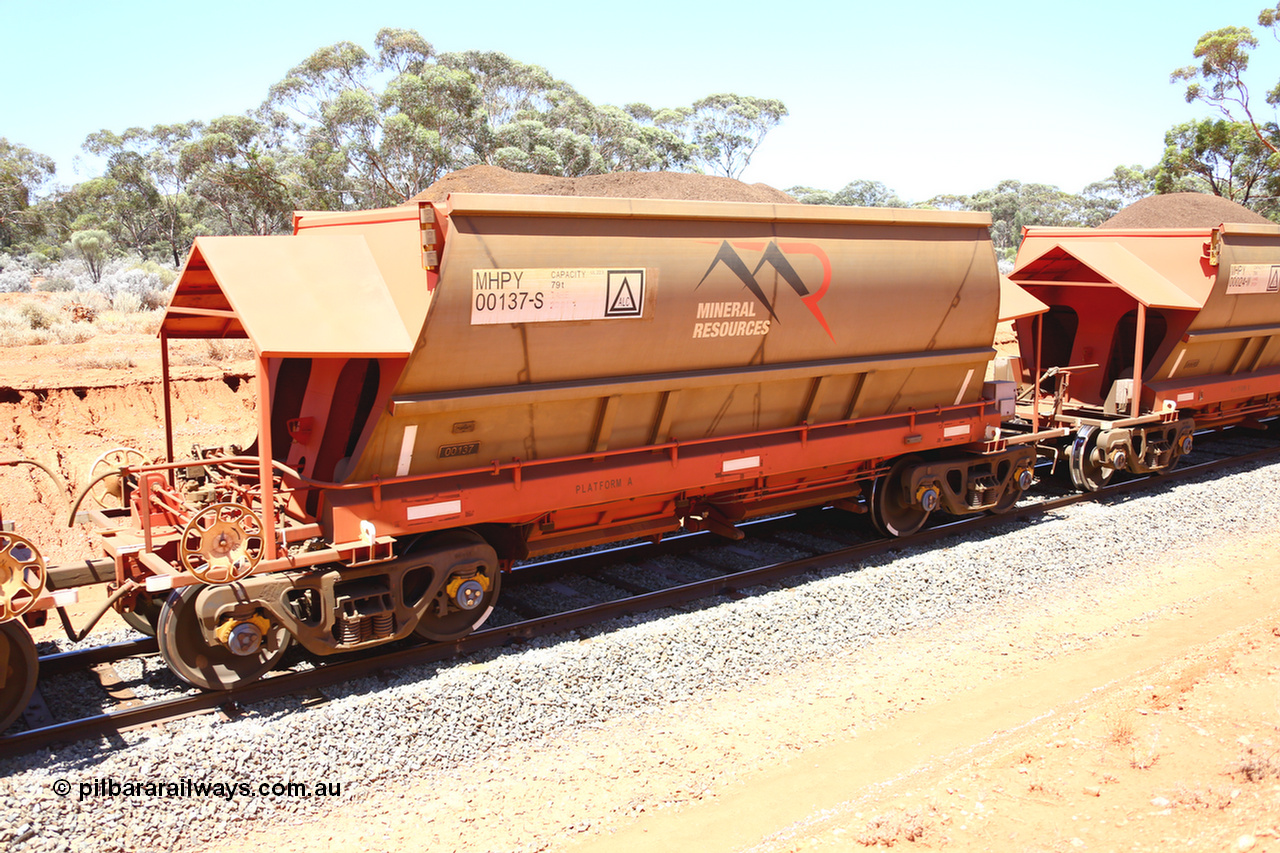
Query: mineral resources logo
{"points": [[775, 255]]}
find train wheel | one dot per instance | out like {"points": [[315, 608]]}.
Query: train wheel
{"points": [[145, 614], [892, 513], [1088, 474], [18, 676], [466, 600], [211, 667]]}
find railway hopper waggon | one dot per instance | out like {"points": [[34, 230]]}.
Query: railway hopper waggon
{"points": [[1150, 334], [447, 389]]}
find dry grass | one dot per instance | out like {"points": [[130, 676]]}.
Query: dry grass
{"points": [[886, 830], [121, 323], [69, 318], [195, 352], [105, 361], [1200, 798], [1147, 759], [1120, 732], [73, 333], [1255, 766]]}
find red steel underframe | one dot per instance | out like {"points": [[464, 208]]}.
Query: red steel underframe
{"points": [[640, 483], [598, 492]]}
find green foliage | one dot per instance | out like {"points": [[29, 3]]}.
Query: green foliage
{"points": [[1223, 157], [145, 204], [1224, 58], [166, 275], [860, 193], [22, 173], [236, 167], [353, 128], [93, 247], [1219, 79], [1014, 205], [1122, 188], [727, 129], [377, 129]]}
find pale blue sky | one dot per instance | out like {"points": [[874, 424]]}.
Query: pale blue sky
{"points": [[927, 97]]}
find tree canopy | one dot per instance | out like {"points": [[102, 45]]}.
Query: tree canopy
{"points": [[22, 173], [351, 128]]}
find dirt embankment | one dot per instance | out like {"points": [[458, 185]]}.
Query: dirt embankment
{"points": [[67, 425]]}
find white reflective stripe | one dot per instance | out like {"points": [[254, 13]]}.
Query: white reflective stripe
{"points": [[964, 387], [63, 597], [1174, 369], [421, 511], [159, 583], [1184, 397], [962, 429], [730, 465], [406, 450]]}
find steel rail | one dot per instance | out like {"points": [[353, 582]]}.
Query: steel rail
{"points": [[60, 663], [112, 723]]}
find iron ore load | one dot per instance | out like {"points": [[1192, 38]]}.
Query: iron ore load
{"points": [[445, 389], [1150, 334]]}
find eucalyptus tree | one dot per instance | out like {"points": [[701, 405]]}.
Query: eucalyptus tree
{"points": [[858, 193], [239, 169], [1225, 158], [529, 145], [662, 136], [148, 188], [1014, 205], [23, 173], [399, 119], [1125, 185], [93, 247], [1220, 77], [727, 129]]}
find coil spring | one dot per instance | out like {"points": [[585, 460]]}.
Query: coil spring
{"points": [[351, 629], [977, 495], [384, 624]]}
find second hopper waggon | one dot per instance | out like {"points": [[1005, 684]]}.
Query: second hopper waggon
{"points": [[447, 389], [1150, 334]]}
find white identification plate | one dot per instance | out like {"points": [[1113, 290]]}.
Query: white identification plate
{"points": [[1254, 278], [549, 295]]}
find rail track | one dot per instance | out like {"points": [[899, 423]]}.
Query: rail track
{"points": [[691, 567]]}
